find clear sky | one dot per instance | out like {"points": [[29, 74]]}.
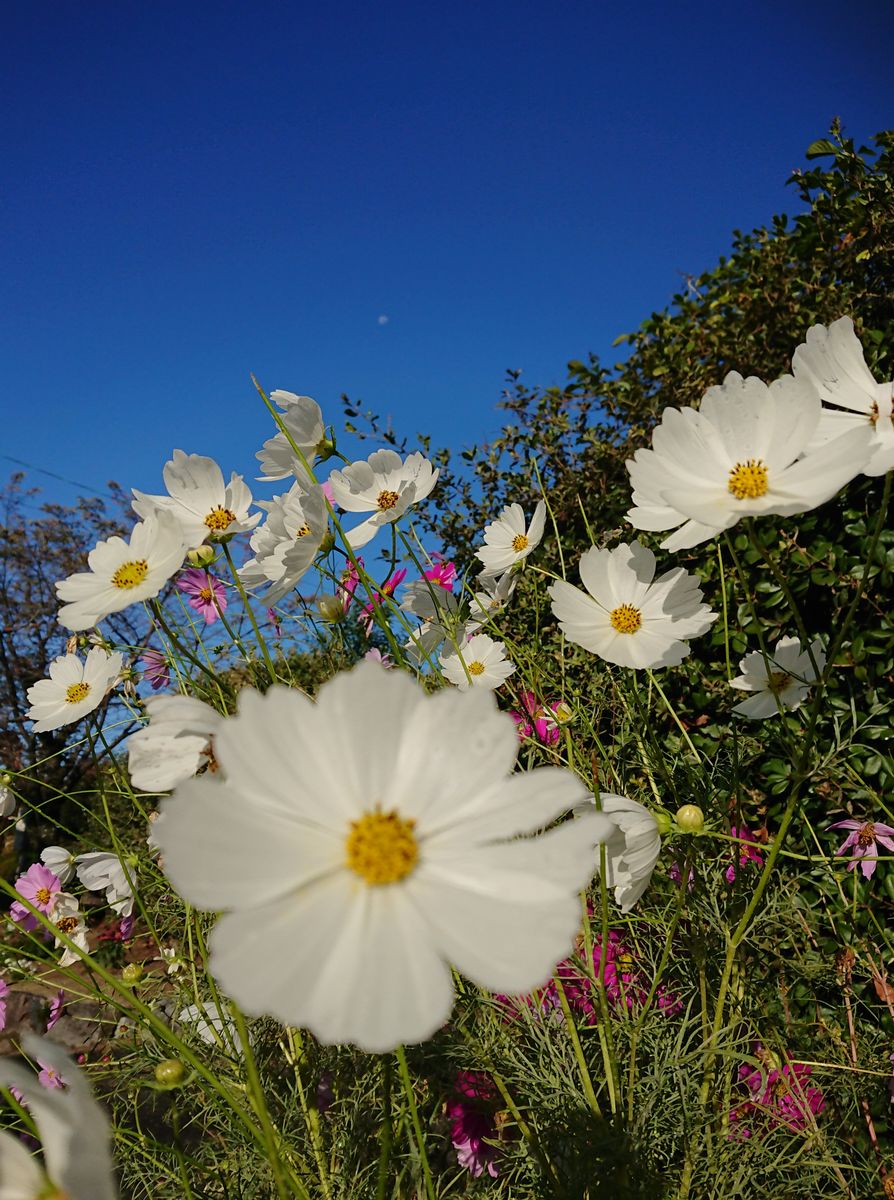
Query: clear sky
{"points": [[394, 200]]}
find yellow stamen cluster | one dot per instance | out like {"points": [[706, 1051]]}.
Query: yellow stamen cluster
{"points": [[67, 924], [387, 499], [866, 836], [519, 543], [206, 595], [131, 574], [625, 618], [748, 480], [381, 847], [476, 668], [42, 895], [76, 692], [303, 531], [780, 680], [220, 519]]}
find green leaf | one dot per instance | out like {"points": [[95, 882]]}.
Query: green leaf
{"points": [[821, 148]]}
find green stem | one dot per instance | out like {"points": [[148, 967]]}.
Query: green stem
{"points": [[586, 1081], [387, 1134], [404, 1071], [240, 587]]}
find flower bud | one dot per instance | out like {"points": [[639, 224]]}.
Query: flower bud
{"points": [[170, 1072], [331, 609], [663, 821], [324, 448], [327, 543], [132, 974], [204, 556], [563, 713], [690, 818]]}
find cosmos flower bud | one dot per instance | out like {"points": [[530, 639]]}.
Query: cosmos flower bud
{"points": [[330, 609], [132, 975], [663, 821], [170, 1072], [202, 556], [325, 448], [690, 818]]}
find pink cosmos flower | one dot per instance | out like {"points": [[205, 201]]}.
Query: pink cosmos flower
{"points": [[56, 1007], [746, 854], [537, 720], [778, 1095], [4, 992], [49, 1077], [155, 669], [348, 585], [442, 573], [384, 660], [388, 588], [472, 1116], [273, 618], [207, 594], [39, 886], [863, 837], [326, 489]]}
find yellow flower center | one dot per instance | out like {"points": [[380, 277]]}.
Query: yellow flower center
{"points": [[302, 532], [381, 847], [519, 543], [77, 692], [387, 499], [131, 574], [205, 594], [625, 618], [476, 668], [748, 480], [67, 924], [219, 519], [866, 836], [42, 895], [780, 680]]}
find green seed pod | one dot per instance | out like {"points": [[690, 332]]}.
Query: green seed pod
{"points": [[170, 1072], [690, 818]]}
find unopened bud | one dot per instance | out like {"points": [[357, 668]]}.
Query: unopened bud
{"points": [[324, 448], [690, 818], [170, 1072], [132, 974], [328, 541], [331, 609], [204, 556], [663, 821]]}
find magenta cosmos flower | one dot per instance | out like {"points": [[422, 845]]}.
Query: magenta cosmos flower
{"points": [[779, 1093], [442, 573], [388, 588], [536, 719], [746, 853], [155, 669], [207, 594], [471, 1112], [4, 994], [863, 837], [40, 887]]}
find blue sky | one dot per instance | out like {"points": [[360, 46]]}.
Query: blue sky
{"points": [[196, 191]]}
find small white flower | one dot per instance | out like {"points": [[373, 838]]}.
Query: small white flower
{"points": [[629, 617], [68, 919], [173, 959], [790, 677], [383, 485], [122, 573], [304, 420], [60, 861], [632, 851], [492, 600], [508, 540], [74, 1131], [7, 800], [198, 499], [213, 1027], [743, 453], [73, 689], [100, 871], [175, 743], [480, 663], [832, 361], [364, 842], [286, 545]]}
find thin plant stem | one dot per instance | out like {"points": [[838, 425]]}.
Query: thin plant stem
{"points": [[404, 1072]]}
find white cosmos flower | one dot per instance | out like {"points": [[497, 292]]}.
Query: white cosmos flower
{"points": [[286, 545], [204, 506], [213, 1027], [363, 843], [384, 486], [60, 861], [68, 919], [632, 850], [73, 1128], [832, 361], [494, 598], [438, 610], [73, 689], [508, 540], [480, 663], [743, 453], [100, 871], [122, 573], [175, 743], [7, 800], [790, 676], [303, 418], [626, 616]]}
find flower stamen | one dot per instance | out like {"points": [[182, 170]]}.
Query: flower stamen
{"points": [[476, 668], [625, 618], [220, 519], [387, 499], [748, 480], [381, 847], [76, 692], [131, 574], [519, 543]]}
